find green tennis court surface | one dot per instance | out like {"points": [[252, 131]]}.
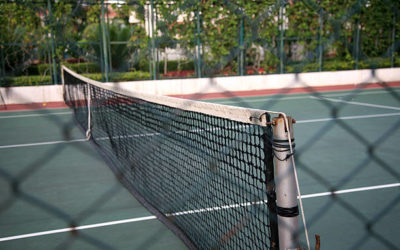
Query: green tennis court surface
{"points": [[52, 179]]}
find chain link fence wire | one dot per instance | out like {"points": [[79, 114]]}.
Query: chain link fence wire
{"points": [[148, 40]]}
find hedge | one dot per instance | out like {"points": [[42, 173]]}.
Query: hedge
{"points": [[80, 68], [121, 76], [26, 81], [87, 67], [143, 65], [46, 80], [336, 65]]}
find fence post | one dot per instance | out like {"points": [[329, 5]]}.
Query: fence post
{"points": [[148, 29], [53, 52], [153, 50], [3, 67], [357, 42], [241, 46], [198, 63], [281, 36], [108, 40], [100, 42], [320, 47], [393, 39], [105, 51]]}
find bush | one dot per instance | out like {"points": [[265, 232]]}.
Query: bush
{"points": [[26, 81], [338, 65], [87, 67], [397, 62], [143, 65], [375, 62], [121, 76], [44, 69], [32, 70], [329, 65]]}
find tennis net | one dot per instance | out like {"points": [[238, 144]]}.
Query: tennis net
{"points": [[205, 170]]}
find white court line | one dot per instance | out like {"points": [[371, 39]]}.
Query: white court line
{"points": [[265, 99], [347, 118], [203, 210], [41, 143], [153, 134], [70, 229], [352, 190], [356, 103], [34, 115], [306, 96], [361, 93]]}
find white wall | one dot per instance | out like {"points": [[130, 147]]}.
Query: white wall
{"points": [[40, 94], [261, 82], [31, 94]]}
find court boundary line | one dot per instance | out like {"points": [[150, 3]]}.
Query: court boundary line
{"points": [[297, 122], [41, 143], [152, 217], [35, 115], [225, 95], [301, 96], [347, 118], [355, 103]]}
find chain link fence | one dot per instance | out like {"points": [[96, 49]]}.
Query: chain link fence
{"points": [[147, 40], [136, 40]]}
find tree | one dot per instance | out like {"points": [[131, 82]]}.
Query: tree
{"points": [[20, 32], [122, 44]]}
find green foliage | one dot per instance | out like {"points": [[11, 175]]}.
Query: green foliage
{"points": [[122, 42], [121, 76], [26, 81], [270, 63], [352, 33], [19, 25], [87, 67], [44, 69], [172, 65]]}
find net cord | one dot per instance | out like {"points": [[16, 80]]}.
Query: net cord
{"points": [[240, 114]]}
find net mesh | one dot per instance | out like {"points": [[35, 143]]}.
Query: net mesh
{"points": [[208, 177]]}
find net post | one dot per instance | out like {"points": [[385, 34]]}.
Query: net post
{"points": [[286, 190], [63, 82], [89, 130], [270, 183]]}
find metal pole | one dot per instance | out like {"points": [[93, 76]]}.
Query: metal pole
{"points": [[157, 46], [101, 52], [281, 42], [153, 51], [270, 185], [393, 40], [108, 40], [105, 54], [3, 67], [241, 47], [53, 53], [286, 190], [320, 49], [357, 50], [149, 42], [198, 42]]}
